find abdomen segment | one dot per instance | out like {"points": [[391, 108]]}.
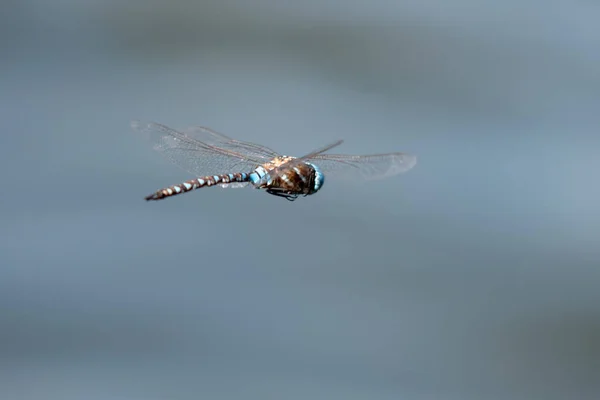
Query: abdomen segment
{"points": [[197, 183]]}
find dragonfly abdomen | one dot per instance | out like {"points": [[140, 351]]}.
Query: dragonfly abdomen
{"points": [[210, 180]]}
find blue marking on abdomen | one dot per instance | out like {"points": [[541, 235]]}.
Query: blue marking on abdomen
{"points": [[258, 174], [254, 178]]}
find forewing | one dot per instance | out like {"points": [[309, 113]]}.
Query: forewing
{"points": [[370, 167], [210, 136], [192, 155]]}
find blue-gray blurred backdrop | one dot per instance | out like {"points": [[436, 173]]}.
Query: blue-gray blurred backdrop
{"points": [[476, 275]]}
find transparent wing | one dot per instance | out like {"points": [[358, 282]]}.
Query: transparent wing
{"points": [[370, 167], [210, 136], [198, 157], [323, 149]]}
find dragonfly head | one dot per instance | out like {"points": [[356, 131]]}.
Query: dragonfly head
{"points": [[319, 177]]}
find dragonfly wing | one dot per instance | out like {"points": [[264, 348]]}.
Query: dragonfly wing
{"points": [[369, 167], [192, 155], [210, 136]]}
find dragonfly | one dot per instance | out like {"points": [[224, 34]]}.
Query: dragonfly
{"points": [[215, 159]]}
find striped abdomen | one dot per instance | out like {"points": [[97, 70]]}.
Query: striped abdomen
{"points": [[197, 184]]}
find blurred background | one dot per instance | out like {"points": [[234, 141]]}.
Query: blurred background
{"points": [[475, 275]]}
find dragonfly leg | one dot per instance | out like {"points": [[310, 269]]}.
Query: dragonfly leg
{"points": [[278, 193]]}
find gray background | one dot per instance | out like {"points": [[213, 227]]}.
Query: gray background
{"points": [[474, 276]]}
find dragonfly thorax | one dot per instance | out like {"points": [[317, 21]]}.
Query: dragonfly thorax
{"points": [[290, 182]]}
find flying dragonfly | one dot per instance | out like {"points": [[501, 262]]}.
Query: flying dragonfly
{"points": [[209, 156]]}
